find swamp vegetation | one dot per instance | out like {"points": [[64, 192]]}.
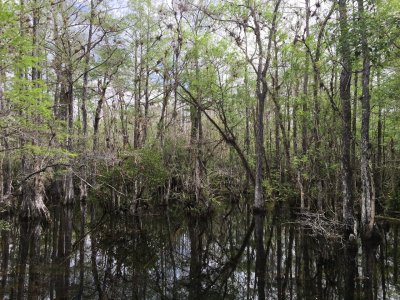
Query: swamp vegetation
{"points": [[194, 149]]}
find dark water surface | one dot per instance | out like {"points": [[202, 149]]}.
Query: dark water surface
{"points": [[171, 254]]}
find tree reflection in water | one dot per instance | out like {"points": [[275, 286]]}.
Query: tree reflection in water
{"points": [[165, 254]]}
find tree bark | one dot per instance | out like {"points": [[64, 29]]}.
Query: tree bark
{"points": [[367, 185], [102, 94], [262, 67], [345, 96], [86, 69], [138, 89]]}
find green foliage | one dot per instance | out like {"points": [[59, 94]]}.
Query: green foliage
{"points": [[213, 53], [142, 168], [4, 225], [278, 190], [146, 164], [299, 161], [28, 110], [13, 45]]}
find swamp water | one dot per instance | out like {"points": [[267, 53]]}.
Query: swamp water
{"points": [[171, 254]]}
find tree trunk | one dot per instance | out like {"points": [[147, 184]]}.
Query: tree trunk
{"points": [[305, 82], [259, 139], [367, 185], [354, 129], [166, 94], [33, 206], [264, 58], [97, 116], [86, 69], [317, 165], [378, 166], [5, 259], [196, 136], [345, 96], [137, 108], [304, 144]]}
